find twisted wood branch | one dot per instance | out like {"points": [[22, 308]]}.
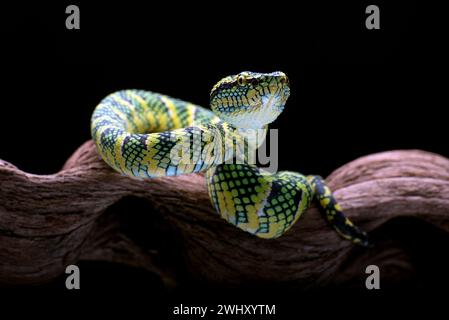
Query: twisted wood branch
{"points": [[168, 226]]}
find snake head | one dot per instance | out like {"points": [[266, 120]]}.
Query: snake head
{"points": [[250, 99]]}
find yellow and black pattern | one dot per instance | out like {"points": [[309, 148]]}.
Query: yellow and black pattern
{"points": [[259, 203], [139, 133], [145, 134], [333, 212]]}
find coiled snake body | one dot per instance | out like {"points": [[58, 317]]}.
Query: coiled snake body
{"points": [[146, 134]]}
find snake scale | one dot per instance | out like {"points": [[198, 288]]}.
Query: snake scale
{"points": [[146, 134]]}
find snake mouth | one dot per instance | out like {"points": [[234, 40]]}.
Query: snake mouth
{"points": [[259, 113]]}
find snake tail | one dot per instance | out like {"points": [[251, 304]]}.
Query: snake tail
{"points": [[333, 213]]}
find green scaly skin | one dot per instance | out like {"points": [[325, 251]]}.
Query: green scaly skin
{"points": [[145, 134]]}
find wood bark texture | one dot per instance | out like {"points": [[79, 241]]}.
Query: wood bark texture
{"points": [[168, 226]]}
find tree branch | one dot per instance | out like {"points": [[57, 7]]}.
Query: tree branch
{"points": [[168, 225]]}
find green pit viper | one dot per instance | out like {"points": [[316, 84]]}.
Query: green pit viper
{"points": [[146, 134]]}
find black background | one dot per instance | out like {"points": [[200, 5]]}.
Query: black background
{"points": [[354, 91]]}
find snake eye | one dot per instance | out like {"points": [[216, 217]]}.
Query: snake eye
{"points": [[284, 80], [241, 80]]}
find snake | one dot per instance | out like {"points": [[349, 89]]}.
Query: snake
{"points": [[144, 134]]}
